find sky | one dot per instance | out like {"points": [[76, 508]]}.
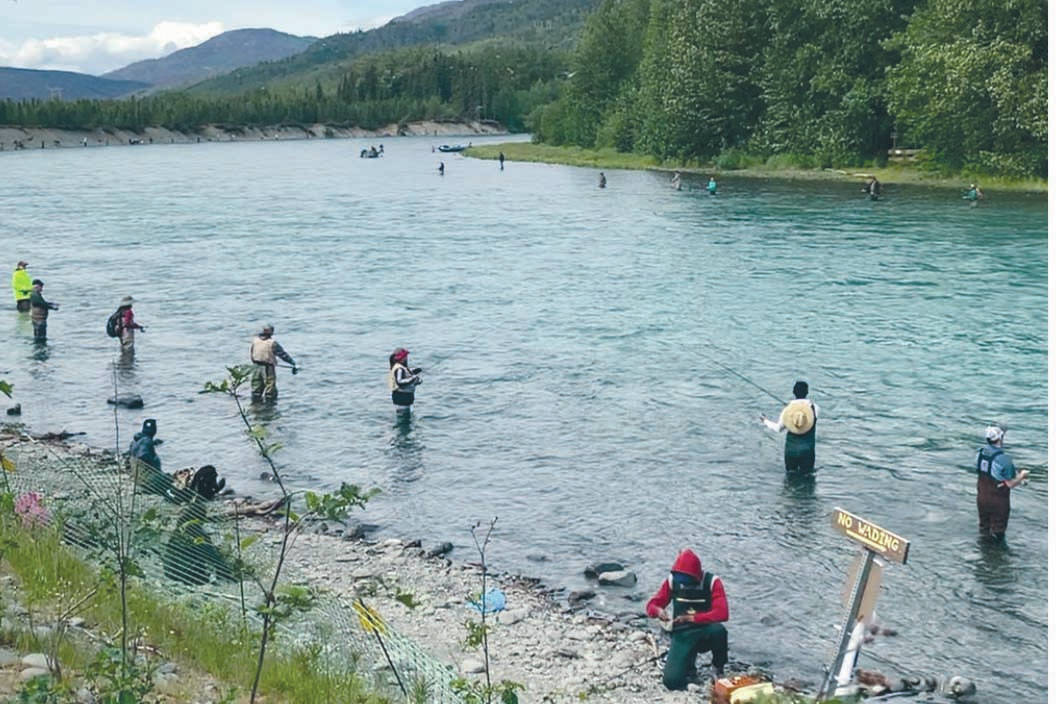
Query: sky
{"points": [[95, 36]]}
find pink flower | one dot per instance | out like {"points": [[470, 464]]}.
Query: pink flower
{"points": [[29, 508]]}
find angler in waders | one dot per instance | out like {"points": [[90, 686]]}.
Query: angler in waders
{"points": [[22, 286], [698, 610], [996, 479], [800, 419], [402, 382], [38, 311], [125, 326], [265, 352]]}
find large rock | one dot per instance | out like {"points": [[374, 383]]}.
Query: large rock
{"points": [[126, 401], [618, 578], [15, 410], [438, 550], [39, 660], [580, 596], [31, 672], [595, 570]]}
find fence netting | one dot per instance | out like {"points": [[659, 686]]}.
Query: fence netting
{"points": [[202, 551]]}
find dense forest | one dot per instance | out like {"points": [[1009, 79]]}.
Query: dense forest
{"points": [[821, 82], [486, 81]]}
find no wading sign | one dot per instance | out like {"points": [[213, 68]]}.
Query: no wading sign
{"points": [[878, 542]]}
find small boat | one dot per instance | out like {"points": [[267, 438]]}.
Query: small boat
{"points": [[451, 147]]}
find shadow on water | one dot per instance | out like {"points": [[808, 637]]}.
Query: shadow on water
{"points": [[264, 411], [406, 449], [994, 569]]}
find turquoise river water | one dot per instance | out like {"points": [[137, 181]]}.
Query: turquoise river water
{"points": [[577, 344]]}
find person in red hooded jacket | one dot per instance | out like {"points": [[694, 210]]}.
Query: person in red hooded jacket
{"points": [[698, 610]]}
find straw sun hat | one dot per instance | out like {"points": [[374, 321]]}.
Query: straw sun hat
{"points": [[798, 417]]}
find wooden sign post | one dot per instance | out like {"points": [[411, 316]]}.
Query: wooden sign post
{"points": [[877, 542]]}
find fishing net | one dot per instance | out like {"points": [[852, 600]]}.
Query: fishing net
{"points": [[207, 552]]}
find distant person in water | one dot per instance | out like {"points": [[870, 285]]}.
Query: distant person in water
{"points": [[601, 180], [441, 169], [127, 326], [996, 477], [502, 161], [872, 187], [264, 352], [713, 188], [38, 311], [402, 381], [676, 181], [799, 418], [22, 287], [974, 194]]}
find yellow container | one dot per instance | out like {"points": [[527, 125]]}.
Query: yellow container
{"points": [[747, 695]]}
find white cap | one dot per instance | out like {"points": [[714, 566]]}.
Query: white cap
{"points": [[994, 433]]}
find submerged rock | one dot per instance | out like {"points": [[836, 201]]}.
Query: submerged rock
{"points": [[593, 571], [126, 401], [581, 596], [619, 578], [15, 410]]}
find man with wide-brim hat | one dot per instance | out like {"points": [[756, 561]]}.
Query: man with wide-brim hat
{"points": [[799, 418], [127, 325], [21, 286]]}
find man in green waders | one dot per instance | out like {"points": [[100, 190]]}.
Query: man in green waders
{"points": [[265, 352], [799, 418], [698, 610]]}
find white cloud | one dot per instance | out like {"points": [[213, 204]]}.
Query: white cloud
{"points": [[105, 51]]}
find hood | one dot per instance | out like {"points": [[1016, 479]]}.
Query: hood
{"points": [[687, 562], [150, 427]]}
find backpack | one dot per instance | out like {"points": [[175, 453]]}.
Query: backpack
{"points": [[113, 324]]}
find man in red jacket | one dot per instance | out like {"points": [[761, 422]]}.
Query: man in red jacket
{"points": [[698, 606]]}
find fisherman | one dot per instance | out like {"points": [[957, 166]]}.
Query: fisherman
{"points": [[441, 169], [22, 287], [799, 418], [973, 194], [698, 610], [502, 161], [144, 460], [402, 381], [997, 476], [872, 187], [713, 188], [264, 352], [676, 181], [38, 311], [601, 180], [127, 326]]}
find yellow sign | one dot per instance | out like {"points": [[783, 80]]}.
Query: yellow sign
{"points": [[883, 542], [369, 619]]}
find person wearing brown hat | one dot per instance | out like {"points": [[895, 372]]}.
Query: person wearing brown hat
{"points": [[127, 326], [22, 286], [799, 418], [265, 352]]}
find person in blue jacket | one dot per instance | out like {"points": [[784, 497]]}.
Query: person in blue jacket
{"points": [[996, 477]]}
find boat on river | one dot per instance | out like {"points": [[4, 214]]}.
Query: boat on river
{"points": [[453, 147]]}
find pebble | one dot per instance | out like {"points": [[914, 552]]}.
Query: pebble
{"points": [[38, 660], [31, 672], [581, 595], [508, 618], [471, 666]]}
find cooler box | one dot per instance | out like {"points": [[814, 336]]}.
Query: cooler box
{"points": [[747, 695], [739, 689]]}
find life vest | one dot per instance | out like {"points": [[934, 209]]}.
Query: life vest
{"points": [[984, 461], [262, 351], [691, 598], [393, 386]]}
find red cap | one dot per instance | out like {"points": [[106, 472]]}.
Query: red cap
{"points": [[400, 354]]}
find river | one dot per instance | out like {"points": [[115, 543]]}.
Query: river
{"points": [[587, 360]]}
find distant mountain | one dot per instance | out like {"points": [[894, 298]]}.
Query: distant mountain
{"points": [[224, 52], [25, 83], [549, 24]]}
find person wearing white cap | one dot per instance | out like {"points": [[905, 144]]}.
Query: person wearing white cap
{"points": [[127, 326], [997, 476], [800, 419], [22, 286]]}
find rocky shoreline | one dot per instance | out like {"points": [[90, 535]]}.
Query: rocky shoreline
{"points": [[554, 645], [13, 138]]}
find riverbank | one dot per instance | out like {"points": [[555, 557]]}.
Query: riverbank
{"points": [[612, 159], [549, 642], [51, 138]]}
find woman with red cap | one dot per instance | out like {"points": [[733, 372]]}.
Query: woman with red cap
{"points": [[402, 381]]}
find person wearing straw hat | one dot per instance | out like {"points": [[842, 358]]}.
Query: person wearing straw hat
{"points": [[127, 326], [264, 352], [996, 477], [800, 419], [22, 286]]}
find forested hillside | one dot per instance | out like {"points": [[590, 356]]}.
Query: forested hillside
{"points": [[820, 82]]}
